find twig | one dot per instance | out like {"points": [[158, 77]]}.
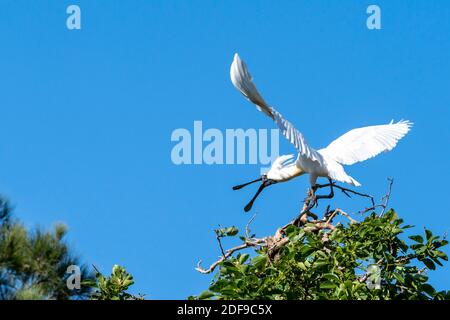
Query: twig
{"points": [[219, 241], [249, 242], [346, 215], [341, 212], [227, 254], [387, 196], [247, 226], [424, 269], [372, 208], [330, 219], [96, 270]]}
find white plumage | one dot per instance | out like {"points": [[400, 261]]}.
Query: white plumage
{"points": [[354, 146], [364, 143]]}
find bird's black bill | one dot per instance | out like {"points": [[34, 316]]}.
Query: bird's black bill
{"points": [[265, 183], [245, 184]]}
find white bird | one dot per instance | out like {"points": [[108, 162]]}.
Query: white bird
{"points": [[356, 145]]}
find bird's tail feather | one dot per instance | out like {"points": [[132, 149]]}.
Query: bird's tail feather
{"points": [[340, 175], [349, 180], [354, 182]]}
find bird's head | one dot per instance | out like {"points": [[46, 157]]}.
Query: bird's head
{"points": [[282, 169]]}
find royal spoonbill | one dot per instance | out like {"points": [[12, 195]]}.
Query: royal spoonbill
{"points": [[356, 145]]}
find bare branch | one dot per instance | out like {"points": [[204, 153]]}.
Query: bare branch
{"points": [[274, 243], [220, 242], [249, 242], [96, 269], [387, 196], [247, 226], [227, 254], [343, 213]]}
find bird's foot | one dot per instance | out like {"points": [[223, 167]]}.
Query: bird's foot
{"points": [[312, 200]]}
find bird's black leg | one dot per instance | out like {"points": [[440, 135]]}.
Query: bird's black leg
{"points": [[329, 196]]}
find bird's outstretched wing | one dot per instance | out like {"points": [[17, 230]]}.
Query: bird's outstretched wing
{"points": [[364, 143], [242, 80]]}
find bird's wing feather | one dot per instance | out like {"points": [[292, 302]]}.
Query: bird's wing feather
{"points": [[364, 143], [242, 80]]}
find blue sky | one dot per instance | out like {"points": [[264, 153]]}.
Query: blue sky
{"points": [[87, 115]]}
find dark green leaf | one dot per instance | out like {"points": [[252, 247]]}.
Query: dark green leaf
{"points": [[259, 261], [429, 264], [327, 285], [416, 238], [243, 258], [205, 295], [427, 288]]}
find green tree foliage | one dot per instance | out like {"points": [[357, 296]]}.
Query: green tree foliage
{"points": [[356, 260], [113, 287], [33, 264]]}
